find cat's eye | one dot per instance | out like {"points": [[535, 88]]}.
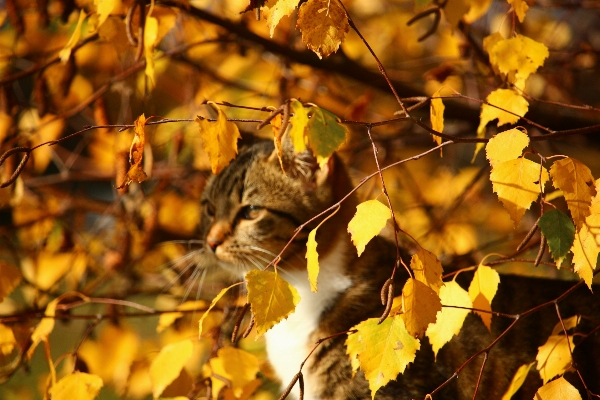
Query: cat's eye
{"points": [[250, 212], [210, 209]]}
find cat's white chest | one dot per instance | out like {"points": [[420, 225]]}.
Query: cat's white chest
{"points": [[288, 342]]}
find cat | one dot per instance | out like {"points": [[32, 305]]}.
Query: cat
{"points": [[250, 211]]}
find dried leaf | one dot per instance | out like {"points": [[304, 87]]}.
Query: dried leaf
{"points": [[9, 279], [323, 24], [428, 269], [370, 218], [420, 305], [271, 298], [219, 139], [577, 184], [168, 365], [449, 320]]}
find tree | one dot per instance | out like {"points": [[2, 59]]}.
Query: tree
{"points": [[103, 162]]}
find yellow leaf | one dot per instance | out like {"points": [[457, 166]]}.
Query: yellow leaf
{"points": [[553, 357], [7, 340], [219, 139], [103, 9], [576, 182], [283, 8], [504, 100], [323, 24], [65, 53], [505, 146], [520, 7], [517, 381], [312, 260], [44, 328], [110, 356], [370, 218], [436, 112], [237, 366], [449, 320], [77, 386], [212, 304], [150, 37], [51, 267], [167, 319], [420, 305], [455, 10], [271, 298], [482, 290], [558, 389], [478, 9], [171, 209], [43, 130], [585, 254], [427, 269], [384, 350], [518, 57], [9, 279], [299, 121], [517, 183], [570, 323], [168, 365]]}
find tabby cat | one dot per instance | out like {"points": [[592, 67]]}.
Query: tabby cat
{"points": [[250, 211]]}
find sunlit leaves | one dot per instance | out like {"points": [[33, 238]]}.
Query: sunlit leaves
{"points": [[420, 305], [517, 57], [103, 9], [384, 350], [427, 269], [517, 380], [110, 356], [10, 277], [7, 340], [312, 260], [370, 218], [517, 183], [559, 232], [219, 139], [449, 320], [65, 53], [577, 183], [506, 105], [323, 24], [168, 365], [271, 298], [274, 14], [505, 146], [150, 39], [520, 7], [321, 132], [44, 328], [210, 307], [482, 290], [554, 357], [558, 389], [585, 254], [78, 385], [436, 112], [237, 366]]}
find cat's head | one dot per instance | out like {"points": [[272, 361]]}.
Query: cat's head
{"points": [[251, 209]]}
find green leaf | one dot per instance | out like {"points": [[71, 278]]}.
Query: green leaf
{"points": [[325, 133], [559, 231]]}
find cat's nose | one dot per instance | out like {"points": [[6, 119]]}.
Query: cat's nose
{"points": [[217, 234]]}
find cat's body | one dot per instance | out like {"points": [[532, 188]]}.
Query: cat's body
{"points": [[250, 211]]}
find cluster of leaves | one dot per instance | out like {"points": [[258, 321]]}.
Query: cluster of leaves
{"points": [[69, 254]]}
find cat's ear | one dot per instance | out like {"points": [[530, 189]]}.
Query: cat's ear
{"points": [[302, 165]]}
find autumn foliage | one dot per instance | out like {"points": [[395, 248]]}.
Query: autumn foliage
{"points": [[114, 113]]}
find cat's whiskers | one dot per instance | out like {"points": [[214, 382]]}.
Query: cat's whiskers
{"points": [[187, 261], [272, 254]]}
